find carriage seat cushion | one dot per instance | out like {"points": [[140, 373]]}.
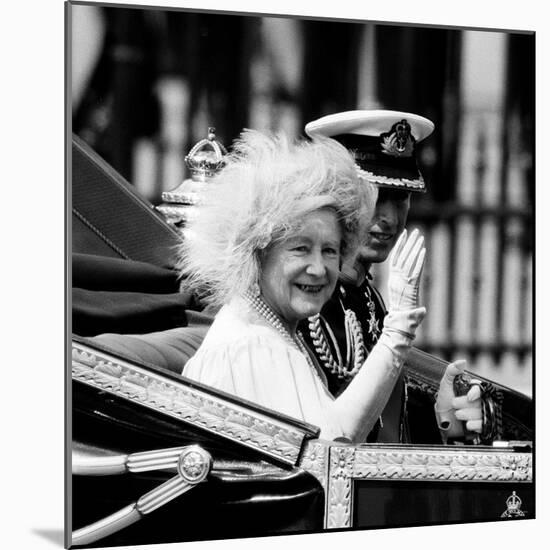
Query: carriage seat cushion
{"points": [[169, 349], [136, 310]]}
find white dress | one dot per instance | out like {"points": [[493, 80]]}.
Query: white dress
{"points": [[244, 355]]}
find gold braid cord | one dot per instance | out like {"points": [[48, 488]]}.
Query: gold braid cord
{"points": [[322, 347], [354, 340]]}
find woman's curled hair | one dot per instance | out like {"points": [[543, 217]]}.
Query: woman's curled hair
{"points": [[261, 195]]}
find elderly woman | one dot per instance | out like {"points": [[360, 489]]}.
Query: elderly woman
{"points": [[267, 246]]}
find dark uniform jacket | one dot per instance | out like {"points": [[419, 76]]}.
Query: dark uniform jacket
{"points": [[365, 305]]}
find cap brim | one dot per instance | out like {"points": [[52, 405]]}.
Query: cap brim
{"points": [[370, 123], [400, 184]]}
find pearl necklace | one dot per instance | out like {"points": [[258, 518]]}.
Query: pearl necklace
{"points": [[272, 318]]}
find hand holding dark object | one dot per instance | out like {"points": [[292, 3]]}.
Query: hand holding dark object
{"points": [[458, 407], [489, 427], [468, 406]]}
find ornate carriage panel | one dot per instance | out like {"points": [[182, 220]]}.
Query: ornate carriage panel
{"points": [[377, 485]]}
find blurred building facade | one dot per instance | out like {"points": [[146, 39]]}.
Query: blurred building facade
{"points": [[147, 84]]}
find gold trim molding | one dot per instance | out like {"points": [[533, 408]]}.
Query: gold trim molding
{"points": [[200, 409], [446, 464], [349, 464], [315, 460]]}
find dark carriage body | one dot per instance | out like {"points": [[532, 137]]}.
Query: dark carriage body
{"points": [[254, 487], [133, 330]]}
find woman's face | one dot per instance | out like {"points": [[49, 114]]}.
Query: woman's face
{"points": [[299, 274]]}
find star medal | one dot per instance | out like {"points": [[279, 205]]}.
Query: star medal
{"points": [[373, 322]]}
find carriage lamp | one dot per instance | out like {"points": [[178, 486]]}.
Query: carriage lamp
{"points": [[204, 161]]}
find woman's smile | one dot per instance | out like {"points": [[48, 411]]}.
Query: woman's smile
{"points": [[300, 273], [313, 289]]}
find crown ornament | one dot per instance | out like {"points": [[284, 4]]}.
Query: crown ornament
{"points": [[204, 161], [206, 158], [513, 507]]}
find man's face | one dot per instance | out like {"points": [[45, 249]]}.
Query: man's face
{"points": [[388, 222]]}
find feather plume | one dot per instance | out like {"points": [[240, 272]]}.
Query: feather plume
{"points": [[259, 197]]}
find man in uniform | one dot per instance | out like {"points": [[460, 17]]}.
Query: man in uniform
{"points": [[383, 144]]}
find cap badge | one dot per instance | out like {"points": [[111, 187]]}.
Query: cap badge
{"points": [[398, 142]]}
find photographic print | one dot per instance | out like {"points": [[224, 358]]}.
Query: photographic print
{"points": [[301, 258]]}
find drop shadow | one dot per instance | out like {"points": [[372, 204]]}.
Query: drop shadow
{"points": [[57, 536]]}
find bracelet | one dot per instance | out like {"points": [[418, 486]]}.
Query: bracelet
{"points": [[408, 335]]}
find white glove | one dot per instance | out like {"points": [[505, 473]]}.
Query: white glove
{"points": [[452, 411], [406, 263]]}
